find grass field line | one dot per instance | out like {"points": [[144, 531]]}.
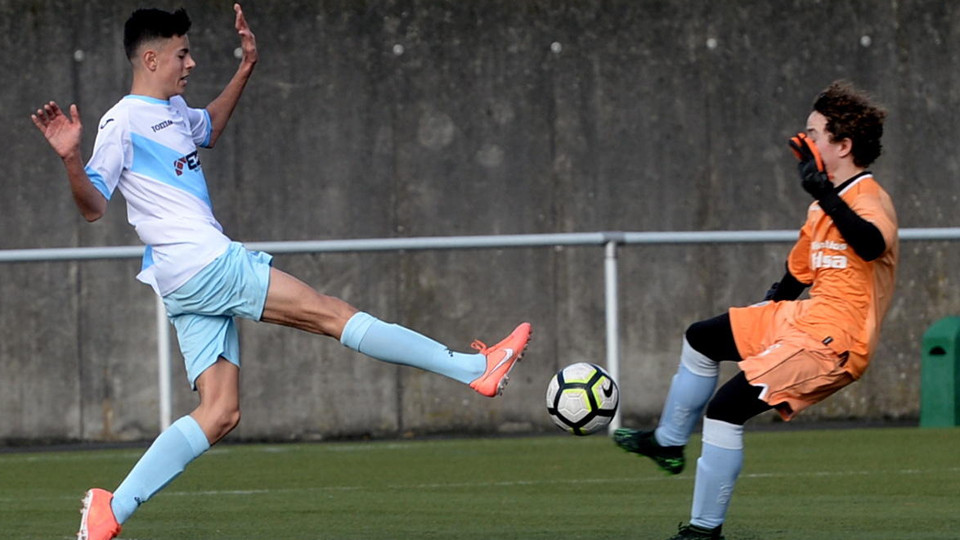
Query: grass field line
{"points": [[133, 454], [591, 481], [515, 483]]}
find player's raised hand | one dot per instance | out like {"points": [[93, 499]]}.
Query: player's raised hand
{"points": [[248, 42], [813, 173], [61, 131]]}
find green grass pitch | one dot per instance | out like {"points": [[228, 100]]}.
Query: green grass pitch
{"points": [[797, 484]]}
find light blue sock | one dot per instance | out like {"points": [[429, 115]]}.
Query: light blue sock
{"points": [[717, 469], [166, 458], [398, 345], [692, 387]]}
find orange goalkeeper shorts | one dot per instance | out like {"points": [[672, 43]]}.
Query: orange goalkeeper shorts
{"points": [[793, 369]]}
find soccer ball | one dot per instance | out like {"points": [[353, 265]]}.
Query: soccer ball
{"points": [[582, 398]]}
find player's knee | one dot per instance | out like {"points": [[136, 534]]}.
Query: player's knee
{"points": [[730, 413], [322, 314], [697, 362], [698, 336], [736, 402], [719, 409], [217, 419], [713, 338], [230, 419], [226, 419]]}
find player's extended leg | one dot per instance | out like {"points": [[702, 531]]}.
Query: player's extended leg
{"points": [[293, 303], [219, 410], [793, 372], [185, 440], [721, 456], [188, 438], [705, 344]]}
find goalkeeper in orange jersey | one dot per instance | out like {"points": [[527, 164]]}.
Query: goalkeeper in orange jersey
{"points": [[792, 353]]}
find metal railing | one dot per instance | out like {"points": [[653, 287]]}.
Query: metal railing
{"points": [[610, 240]]}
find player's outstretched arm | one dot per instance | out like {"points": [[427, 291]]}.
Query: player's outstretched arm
{"points": [[63, 133], [864, 237], [222, 107]]}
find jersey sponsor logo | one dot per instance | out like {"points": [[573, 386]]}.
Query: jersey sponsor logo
{"points": [[105, 122], [829, 244], [819, 259], [191, 161], [161, 125]]}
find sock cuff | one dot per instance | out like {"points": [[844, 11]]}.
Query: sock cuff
{"points": [[697, 362], [355, 329], [193, 433], [722, 434]]}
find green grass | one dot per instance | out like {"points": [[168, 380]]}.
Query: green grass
{"points": [[896, 484]]}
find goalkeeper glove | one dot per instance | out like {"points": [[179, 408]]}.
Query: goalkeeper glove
{"points": [[813, 173]]}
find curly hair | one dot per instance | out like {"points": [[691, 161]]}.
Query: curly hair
{"points": [[851, 114]]}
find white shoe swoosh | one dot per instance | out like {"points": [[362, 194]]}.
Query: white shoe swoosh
{"points": [[507, 355]]}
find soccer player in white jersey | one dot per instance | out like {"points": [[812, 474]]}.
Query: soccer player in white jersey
{"points": [[146, 147]]}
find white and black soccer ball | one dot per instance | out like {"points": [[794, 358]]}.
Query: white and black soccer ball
{"points": [[582, 398]]}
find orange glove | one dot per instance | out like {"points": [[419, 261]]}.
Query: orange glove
{"points": [[813, 174]]}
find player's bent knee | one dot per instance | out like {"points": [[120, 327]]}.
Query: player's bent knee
{"points": [[713, 338], [232, 419], [736, 402], [699, 335], [226, 421], [697, 362]]}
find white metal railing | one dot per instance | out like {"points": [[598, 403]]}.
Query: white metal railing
{"points": [[610, 240]]}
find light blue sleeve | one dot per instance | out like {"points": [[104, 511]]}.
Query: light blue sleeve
{"points": [[110, 153]]}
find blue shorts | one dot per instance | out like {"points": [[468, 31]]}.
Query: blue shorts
{"points": [[202, 310]]}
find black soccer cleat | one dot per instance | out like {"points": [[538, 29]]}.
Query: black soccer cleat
{"points": [[692, 532], [668, 458]]}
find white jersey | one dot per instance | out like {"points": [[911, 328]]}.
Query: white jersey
{"points": [[147, 148]]}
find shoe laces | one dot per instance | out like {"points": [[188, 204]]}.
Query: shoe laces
{"points": [[479, 345]]}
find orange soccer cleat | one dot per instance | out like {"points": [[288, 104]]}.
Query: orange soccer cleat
{"points": [[98, 521], [500, 360]]}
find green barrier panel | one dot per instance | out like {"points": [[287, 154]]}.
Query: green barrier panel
{"points": [[940, 374]]}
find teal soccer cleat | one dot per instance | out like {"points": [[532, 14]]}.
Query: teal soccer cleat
{"points": [[668, 458]]}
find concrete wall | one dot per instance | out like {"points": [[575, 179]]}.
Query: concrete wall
{"points": [[420, 118]]}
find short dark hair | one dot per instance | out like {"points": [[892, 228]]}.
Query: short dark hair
{"points": [[851, 114], [147, 24]]}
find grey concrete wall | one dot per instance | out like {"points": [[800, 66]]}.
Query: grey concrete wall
{"points": [[420, 118]]}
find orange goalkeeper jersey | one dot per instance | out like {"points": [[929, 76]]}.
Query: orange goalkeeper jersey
{"points": [[849, 296]]}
